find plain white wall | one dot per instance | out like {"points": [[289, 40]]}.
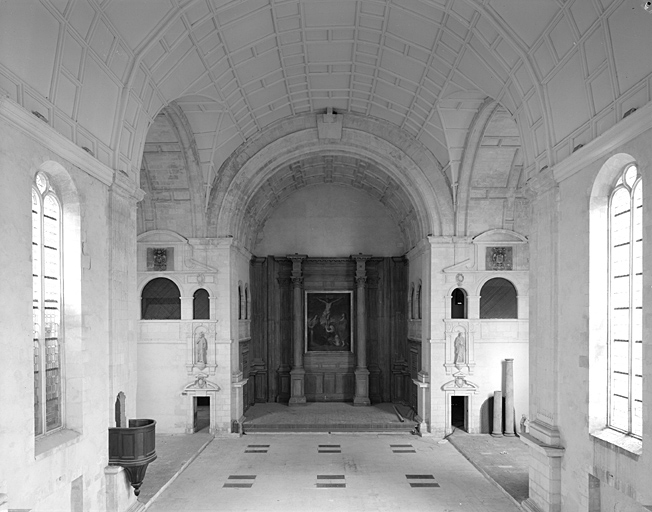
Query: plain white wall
{"points": [[330, 220]]}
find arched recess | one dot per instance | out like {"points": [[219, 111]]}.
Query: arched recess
{"points": [[401, 161], [492, 161], [170, 140]]}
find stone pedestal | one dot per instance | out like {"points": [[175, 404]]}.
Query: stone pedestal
{"points": [[423, 386], [361, 387], [509, 397], [297, 380], [545, 476], [119, 494], [498, 414]]}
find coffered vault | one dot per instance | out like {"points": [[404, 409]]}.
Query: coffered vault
{"points": [[101, 71]]}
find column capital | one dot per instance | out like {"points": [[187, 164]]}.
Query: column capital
{"points": [[360, 281], [297, 281], [360, 266], [297, 271]]}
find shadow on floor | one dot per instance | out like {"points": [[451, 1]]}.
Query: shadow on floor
{"points": [[504, 460]]}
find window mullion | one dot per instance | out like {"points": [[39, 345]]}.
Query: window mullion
{"points": [[42, 343], [630, 352], [609, 308]]}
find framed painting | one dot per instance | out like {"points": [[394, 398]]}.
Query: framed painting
{"points": [[328, 321]]}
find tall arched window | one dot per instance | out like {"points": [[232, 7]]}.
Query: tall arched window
{"points": [[47, 305], [246, 302], [411, 302], [498, 299], [458, 303], [625, 351], [161, 300], [419, 301], [240, 302], [200, 305]]}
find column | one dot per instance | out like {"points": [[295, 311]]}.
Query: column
{"points": [[498, 414], [297, 374], [509, 397], [361, 371]]}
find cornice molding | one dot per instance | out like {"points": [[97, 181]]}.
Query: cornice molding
{"points": [[44, 134], [619, 134]]}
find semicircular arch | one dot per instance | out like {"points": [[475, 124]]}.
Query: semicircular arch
{"points": [[409, 166]]}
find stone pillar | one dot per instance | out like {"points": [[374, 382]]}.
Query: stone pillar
{"points": [[297, 374], [187, 307], [498, 414], [124, 303], [361, 371], [509, 397], [546, 452]]}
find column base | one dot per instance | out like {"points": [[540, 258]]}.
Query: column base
{"points": [[361, 387], [509, 434], [496, 435], [298, 396]]}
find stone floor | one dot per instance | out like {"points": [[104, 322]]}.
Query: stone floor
{"points": [[320, 471], [174, 453], [503, 460]]}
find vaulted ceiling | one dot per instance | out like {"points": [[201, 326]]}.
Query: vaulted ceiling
{"points": [[100, 71]]}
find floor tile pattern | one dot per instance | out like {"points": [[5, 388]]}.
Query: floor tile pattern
{"points": [[366, 475]]}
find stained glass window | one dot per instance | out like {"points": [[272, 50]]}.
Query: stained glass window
{"points": [[46, 305], [626, 303]]}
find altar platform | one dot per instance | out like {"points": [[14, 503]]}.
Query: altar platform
{"points": [[328, 417]]}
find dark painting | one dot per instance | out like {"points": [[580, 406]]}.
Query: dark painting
{"points": [[328, 321]]}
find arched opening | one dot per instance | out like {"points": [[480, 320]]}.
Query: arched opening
{"points": [[200, 305], [458, 303], [498, 299], [160, 300]]}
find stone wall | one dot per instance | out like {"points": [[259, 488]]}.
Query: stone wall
{"points": [[330, 220], [170, 371], [576, 462], [67, 465], [460, 262]]}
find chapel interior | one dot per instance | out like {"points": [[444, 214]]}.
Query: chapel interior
{"points": [[424, 204]]}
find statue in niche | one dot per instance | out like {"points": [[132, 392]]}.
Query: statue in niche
{"points": [[201, 349], [460, 349]]}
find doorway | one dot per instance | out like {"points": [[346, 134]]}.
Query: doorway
{"points": [[201, 413], [459, 406]]}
